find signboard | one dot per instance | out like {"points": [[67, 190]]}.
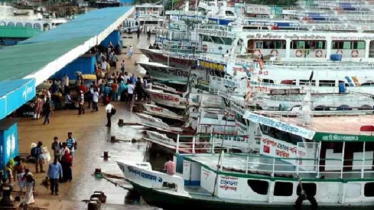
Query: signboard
{"points": [[215, 32], [257, 9], [333, 137], [280, 149], [228, 183], [212, 65], [274, 123]]}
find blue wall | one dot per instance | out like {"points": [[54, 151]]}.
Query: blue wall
{"points": [[114, 37], [84, 64], [8, 142]]}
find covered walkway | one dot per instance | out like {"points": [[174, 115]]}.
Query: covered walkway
{"points": [[40, 57]]}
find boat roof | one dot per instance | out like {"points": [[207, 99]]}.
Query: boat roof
{"points": [[331, 122]]}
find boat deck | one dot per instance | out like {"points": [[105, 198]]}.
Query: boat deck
{"points": [[334, 123], [262, 165]]}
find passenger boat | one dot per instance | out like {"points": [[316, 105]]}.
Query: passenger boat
{"points": [[162, 72], [147, 17], [156, 123], [20, 12], [162, 113], [325, 158], [167, 99]]}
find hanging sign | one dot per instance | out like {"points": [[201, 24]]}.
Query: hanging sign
{"points": [[274, 123]]}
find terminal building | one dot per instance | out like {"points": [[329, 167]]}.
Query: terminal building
{"points": [[27, 65]]}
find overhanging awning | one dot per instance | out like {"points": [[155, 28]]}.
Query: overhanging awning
{"points": [[14, 93]]}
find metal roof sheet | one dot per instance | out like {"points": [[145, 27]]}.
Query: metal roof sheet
{"points": [[43, 55], [18, 32]]}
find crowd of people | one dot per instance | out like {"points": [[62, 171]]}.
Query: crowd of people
{"points": [[58, 171]]}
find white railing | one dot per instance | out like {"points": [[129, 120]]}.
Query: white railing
{"points": [[205, 143], [298, 167]]}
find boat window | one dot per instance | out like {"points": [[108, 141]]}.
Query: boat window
{"points": [[211, 116], [297, 44], [239, 118], [268, 81], [283, 189], [281, 135], [309, 188], [327, 83], [355, 45], [229, 118], [228, 41], [306, 82], [369, 189], [229, 13], [270, 44], [258, 186]]}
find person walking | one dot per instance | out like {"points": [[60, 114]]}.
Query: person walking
{"points": [[148, 34], [81, 103], [30, 185], [38, 107], [56, 148], [19, 174], [109, 112], [130, 52], [95, 101], [89, 95], [130, 91], [67, 163], [138, 32], [54, 174], [46, 111], [37, 153], [71, 144], [123, 66], [114, 91]]}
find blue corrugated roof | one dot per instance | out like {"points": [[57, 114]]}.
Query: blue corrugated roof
{"points": [[87, 25]]}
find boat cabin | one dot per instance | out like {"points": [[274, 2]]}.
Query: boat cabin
{"points": [[313, 46]]}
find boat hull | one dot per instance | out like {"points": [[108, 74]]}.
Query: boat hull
{"points": [[158, 57], [171, 202]]}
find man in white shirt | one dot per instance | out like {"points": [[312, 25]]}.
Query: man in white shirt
{"points": [[108, 109], [130, 91], [95, 100], [68, 102]]}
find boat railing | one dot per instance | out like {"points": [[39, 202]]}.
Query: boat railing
{"points": [[306, 168], [210, 143]]}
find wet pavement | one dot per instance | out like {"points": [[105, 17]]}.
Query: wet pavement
{"points": [[93, 139]]}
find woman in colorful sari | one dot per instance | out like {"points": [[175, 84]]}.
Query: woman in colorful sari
{"points": [[38, 107], [66, 163], [19, 173], [30, 184]]}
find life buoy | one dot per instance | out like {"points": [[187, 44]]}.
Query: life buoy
{"points": [[300, 200], [205, 47], [354, 53], [274, 52], [339, 52], [176, 99], [258, 52], [307, 19], [319, 53], [298, 53]]}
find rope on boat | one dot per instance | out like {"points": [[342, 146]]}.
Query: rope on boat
{"points": [[108, 178]]}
